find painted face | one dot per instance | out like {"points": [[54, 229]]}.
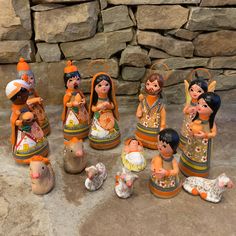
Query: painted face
{"points": [[31, 81], [164, 148], [73, 83], [133, 145], [195, 91], [103, 87], [152, 87], [203, 108]]}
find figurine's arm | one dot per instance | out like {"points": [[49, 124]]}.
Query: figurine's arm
{"points": [[185, 110], [163, 118], [66, 99], [139, 111], [156, 164], [175, 170], [212, 133]]}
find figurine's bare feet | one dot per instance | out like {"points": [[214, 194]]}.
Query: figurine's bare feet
{"points": [[195, 192]]}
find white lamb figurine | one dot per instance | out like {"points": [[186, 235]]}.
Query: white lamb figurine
{"points": [[96, 175], [209, 189], [125, 183]]}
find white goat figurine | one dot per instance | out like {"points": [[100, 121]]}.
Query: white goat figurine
{"points": [[96, 175], [125, 183], [209, 189]]}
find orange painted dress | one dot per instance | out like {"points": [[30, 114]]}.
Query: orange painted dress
{"points": [[168, 186], [149, 125], [75, 119]]}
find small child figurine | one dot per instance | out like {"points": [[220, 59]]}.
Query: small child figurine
{"points": [[151, 112], [27, 137], [132, 155], [195, 158], [104, 131], [164, 182], [34, 101], [75, 114]]}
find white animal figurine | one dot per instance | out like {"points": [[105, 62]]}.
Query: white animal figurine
{"points": [[96, 175], [41, 174], [209, 189], [125, 183]]}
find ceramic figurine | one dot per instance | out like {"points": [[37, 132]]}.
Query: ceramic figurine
{"points": [[195, 158], [133, 155], [125, 183], [41, 174], [209, 189], [151, 112], [35, 102], [75, 114], [104, 131], [165, 182], [74, 157], [96, 175], [27, 137]]}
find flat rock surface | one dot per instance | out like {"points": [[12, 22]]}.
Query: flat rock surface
{"points": [[71, 210]]}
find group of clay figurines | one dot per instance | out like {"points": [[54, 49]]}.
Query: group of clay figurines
{"points": [[99, 122]]}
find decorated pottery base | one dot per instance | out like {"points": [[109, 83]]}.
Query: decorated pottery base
{"points": [[104, 144], [79, 134]]}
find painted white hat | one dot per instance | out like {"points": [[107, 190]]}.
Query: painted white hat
{"points": [[14, 87]]}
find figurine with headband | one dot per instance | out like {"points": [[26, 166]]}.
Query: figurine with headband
{"points": [[103, 110], [27, 137], [75, 114], [151, 113], [34, 101]]}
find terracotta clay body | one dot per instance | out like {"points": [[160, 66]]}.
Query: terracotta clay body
{"points": [[42, 175], [133, 155], [124, 186], [75, 114], [196, 156], [104, 131], [96, 175], [74, 157], [209, 189], [165, 181], [35, 102], [151, 112], [27, 137]]}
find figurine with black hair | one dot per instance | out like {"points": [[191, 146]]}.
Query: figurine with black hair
{"points": [[195, 159], [103, 110], [75, 114], [27, 137], [164, 181]]}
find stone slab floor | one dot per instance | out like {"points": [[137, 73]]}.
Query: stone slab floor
{"points": [[71, 210]]}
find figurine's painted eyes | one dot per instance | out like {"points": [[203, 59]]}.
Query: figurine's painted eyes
{"points": [[191, 90], [155, 85], [164, 146], [99, 85], [70, 80], [205, 105], [148, 84], [107, 84], [199, 91], [43, 167], [71, 151]]}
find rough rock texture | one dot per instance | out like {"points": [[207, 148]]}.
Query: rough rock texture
{"points": [[46, 7], [135, 56], [155, 53], [222, 62], [220, 18], [141, 2], [58, 1], [103, 4], [132, 73], [227, 80], [49, 52], [183, 34], [171, 46], [66, 24], [217, 3], [116, 18], [11, 51], [15, 20], [102, 45], [161, 17], [221, 43]]}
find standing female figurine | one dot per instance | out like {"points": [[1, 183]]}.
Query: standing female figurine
{"points": [[27, 137], [151, 112], [104, 131], [195, 159], [164, 182], [34, 101], [75, 115], [195, 89]]}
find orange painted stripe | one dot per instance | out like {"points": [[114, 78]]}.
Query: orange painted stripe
{"points": [[146, 137], [102, 146], [188, 172]]}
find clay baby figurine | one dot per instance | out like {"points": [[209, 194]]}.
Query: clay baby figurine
{"points": [[164, 181], [209, 189], [75, 114], [41, 174], [124, 186], [27, 137], [133, 155], [151, 112], [195, 159], [103, 110], [74, 157], [35, 102]]}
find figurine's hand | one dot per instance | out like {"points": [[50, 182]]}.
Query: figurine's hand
{"points": [[75, 104], [69, 104], [200, 134], [106, 105], [160, 173], [139, 114], [19, 122], [192, 110]]}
